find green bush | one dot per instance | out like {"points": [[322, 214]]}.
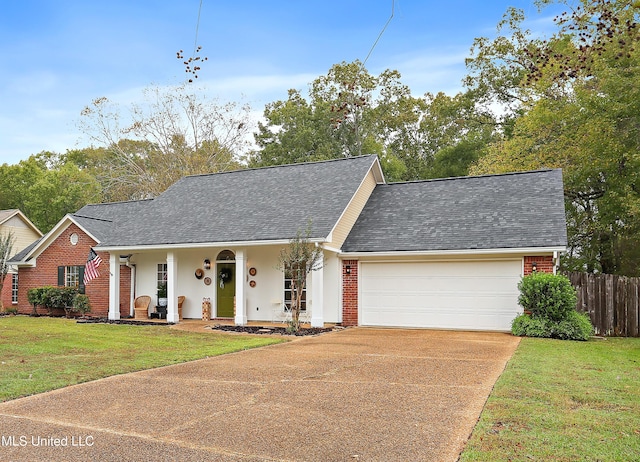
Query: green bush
{"points": [[577, 326], [81, 304], [527, 326], [547, 296], [551, 300], [51, 298], [37, 297]]}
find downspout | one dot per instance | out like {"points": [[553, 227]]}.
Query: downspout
{"points": [[556, 261]]}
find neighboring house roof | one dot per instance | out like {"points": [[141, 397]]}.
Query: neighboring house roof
{"points": [[517, 210], [263, 204], [6, 215]]}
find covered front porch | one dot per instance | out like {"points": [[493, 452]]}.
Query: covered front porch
{"points": [[240, 285]]}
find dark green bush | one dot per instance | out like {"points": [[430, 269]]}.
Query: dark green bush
{"points": [[37, 297], [81, 304], [51, 298], [551, 300], [577, 326], [548, 296], [527, 326]]}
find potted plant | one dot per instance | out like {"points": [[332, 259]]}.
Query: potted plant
{"points": [[162, 294]]}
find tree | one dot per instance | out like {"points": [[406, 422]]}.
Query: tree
{"points": [[6, 252], [174, 133], [582, 114], [46, 187], [297, 260], [351, 112]]}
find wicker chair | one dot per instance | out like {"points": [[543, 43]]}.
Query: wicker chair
{"points": [[180, 302], [141, 307]]}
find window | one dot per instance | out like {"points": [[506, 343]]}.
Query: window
{"points": [[71, 276], [162, 273], [288, 295], [14, 289]]}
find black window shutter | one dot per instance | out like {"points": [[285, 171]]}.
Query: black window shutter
{"points": [[61, 275], [81, 279]]}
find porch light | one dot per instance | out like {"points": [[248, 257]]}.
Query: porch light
{"points": [[347, 269], [207, 264], [534, 267]]}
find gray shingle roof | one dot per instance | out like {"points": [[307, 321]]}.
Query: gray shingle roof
{"points": [[245, 205], [489, 212]]}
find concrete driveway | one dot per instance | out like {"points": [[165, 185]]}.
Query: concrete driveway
{"points": [[356, 395]]}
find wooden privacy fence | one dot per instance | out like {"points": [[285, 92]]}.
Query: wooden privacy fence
{"points": [[613, 302]]}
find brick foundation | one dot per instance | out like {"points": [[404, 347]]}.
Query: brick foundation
{"points": [[350, 293], [544, 264]]}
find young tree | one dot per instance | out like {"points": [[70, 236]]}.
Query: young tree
{"points": [[6, 252], [297, 260]]}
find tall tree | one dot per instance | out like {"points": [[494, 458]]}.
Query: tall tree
{"points": [[175, 132], [351, 112], [584, 116], [46, 187]]}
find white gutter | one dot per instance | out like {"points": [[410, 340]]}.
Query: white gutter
{"points": [[421, 253], [200, 245]]}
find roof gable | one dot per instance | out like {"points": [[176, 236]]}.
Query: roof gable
{"points": [[7, 215], [517, 210]]}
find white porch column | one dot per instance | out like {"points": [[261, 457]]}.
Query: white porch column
{"points": [[317, 295], [241, 304], [114, 287], [172, 285]]}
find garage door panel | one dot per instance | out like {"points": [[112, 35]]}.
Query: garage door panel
{"points": [[452, 295]]}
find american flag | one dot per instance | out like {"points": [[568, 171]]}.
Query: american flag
{"points": [[91, 268]]}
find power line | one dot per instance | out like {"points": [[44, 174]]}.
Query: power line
{"points": [[195, 43], [393, 4]]}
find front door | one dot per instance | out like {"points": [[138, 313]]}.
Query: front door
{"points": [[225, 289]]}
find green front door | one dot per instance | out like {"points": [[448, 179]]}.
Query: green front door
{"points": [[225, 289]]}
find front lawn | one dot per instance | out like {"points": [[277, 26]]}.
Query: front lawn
{"points": [[563, 401], [41, 354]]}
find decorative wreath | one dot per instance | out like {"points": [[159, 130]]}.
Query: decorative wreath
{"points": [[225, 275]]}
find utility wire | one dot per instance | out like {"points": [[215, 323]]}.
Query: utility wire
{"points": [[195, 43], [393, 4]]}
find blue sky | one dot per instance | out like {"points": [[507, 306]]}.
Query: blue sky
{"points": [[59, 55]]}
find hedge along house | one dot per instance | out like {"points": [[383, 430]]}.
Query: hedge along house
{"points": [[24, 233], [441, 254]]}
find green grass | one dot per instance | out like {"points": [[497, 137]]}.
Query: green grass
{"points": [[563, 401], [41, 354]]}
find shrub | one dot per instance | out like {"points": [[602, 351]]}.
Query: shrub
{"points": [[527, 326], [81, 304], [577, 326], [36, 297], [52, 297], [547, 296], [551, 300]]}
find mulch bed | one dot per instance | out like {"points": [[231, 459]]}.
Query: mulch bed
{"points": [[273, 330]]}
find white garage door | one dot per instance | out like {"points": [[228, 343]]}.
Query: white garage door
{"points": [[449, 295]]}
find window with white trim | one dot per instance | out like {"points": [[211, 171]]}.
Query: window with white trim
{"points": [[162, 274], [71, 276], [14, 288]]}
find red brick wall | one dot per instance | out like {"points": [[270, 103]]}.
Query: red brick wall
{"points": [[61, 253], [544, 264], [350, 293]]}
